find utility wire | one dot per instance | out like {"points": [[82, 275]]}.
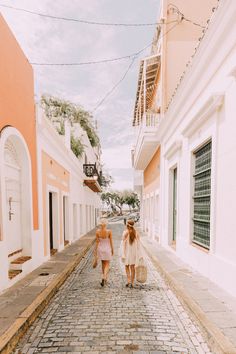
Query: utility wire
{"points": [[98, 23], [194, 23], [128, 69], [129, 56], [92, 62], [80, 20], [115, 86], [183, 17]]}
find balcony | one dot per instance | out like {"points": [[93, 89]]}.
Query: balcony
{"points": [[146, 142], [93, 178]]}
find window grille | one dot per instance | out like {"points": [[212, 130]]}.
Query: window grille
{"points": [[202, 196]]}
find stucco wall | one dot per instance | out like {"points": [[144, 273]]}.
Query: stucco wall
{"points": [[55, 175], [195, 116], [152, 174], [181, 40], [17, 99]]}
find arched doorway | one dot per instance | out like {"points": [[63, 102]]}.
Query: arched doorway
{"points": [[13, 182], [16, 199]]}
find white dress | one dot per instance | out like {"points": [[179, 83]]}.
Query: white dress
{"points": [[130, 252]]}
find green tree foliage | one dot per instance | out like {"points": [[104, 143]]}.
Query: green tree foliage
{"points": [[57, 110], [116, 200], [132, 200], [76, 146], [106, 180]]}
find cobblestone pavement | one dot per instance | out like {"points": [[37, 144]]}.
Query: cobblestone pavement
{"points": [[83, 317]]}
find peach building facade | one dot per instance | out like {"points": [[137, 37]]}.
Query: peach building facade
{"points": [[187, 111], [18, 158], [71, 201], [46, 199]]}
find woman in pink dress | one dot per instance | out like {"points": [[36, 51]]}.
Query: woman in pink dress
{"points": [[104, 248]]}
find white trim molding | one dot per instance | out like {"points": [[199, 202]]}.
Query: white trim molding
{"points": [[213, 104], [173, 148], [232, 73]]}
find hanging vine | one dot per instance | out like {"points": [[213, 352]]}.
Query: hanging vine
{"points": [[57, 110]]}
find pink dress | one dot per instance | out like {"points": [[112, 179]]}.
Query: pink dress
{"points": [[104, 249]]}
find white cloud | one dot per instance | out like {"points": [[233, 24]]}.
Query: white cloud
{"points": [[117, 157], [45, 40]]}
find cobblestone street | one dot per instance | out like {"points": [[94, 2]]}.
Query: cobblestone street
{"points": [[83, 317]]}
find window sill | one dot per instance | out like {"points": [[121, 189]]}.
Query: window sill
{"points": [[201, 248]]}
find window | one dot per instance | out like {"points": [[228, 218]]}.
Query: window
{"points": [[202, 196]]}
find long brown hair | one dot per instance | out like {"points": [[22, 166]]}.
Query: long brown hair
{"points": [[131, 231]]}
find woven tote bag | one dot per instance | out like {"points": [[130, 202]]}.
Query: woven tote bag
{"points": [[95, 262], [141, 271]]}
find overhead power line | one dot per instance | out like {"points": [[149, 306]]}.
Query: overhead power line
{"points": [[128, 69], [91, 62], [96, 23], [115, 86], [185, 18], [87, 22]]}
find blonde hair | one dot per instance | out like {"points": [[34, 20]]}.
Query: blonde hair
{"points": [[102, 221], [131, 231]]}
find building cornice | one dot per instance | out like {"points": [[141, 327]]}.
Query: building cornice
{"points": [[176, 146], [210, 106]]}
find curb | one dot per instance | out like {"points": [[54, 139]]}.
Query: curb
{"points": [[217, 341], [10, 338]]}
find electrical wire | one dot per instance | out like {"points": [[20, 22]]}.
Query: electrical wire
{"points": [[128, 69], [194, 23], [98, 23], [183, 17], [102, 61], [129, 56], [115, 86], [80, 20]]}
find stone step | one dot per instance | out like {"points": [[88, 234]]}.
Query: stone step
{"points": [[21, 263], [21, 260], [14, 255], [13, 273], [53, 251]]}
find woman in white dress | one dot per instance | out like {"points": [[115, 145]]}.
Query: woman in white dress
{"points": [[130, 252]]}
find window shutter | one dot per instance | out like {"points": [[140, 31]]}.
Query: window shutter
{"points": [[202, 196]]}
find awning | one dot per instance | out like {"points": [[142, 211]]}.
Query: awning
{"points": [[147, 82]]}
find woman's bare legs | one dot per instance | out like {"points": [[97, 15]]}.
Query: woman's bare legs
{"points": [[132, 274], [103, 268], [106, 269], [127, 269]]}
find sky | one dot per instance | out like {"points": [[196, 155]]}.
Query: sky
{"points": [[47, 40]]}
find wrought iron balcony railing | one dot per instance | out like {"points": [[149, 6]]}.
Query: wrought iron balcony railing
{"points": [[90, 170]]}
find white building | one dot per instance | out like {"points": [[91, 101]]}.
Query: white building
{"points": [[198, 139], [70, 186], [195, 135]]}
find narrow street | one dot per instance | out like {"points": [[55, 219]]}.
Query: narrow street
{"points": [[83, 317]]}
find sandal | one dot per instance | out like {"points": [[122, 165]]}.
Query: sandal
{"points": [[127, 285], [102, 282]]}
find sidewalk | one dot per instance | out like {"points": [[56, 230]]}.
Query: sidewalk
{"points": [[21, 304], [214, 309]]}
